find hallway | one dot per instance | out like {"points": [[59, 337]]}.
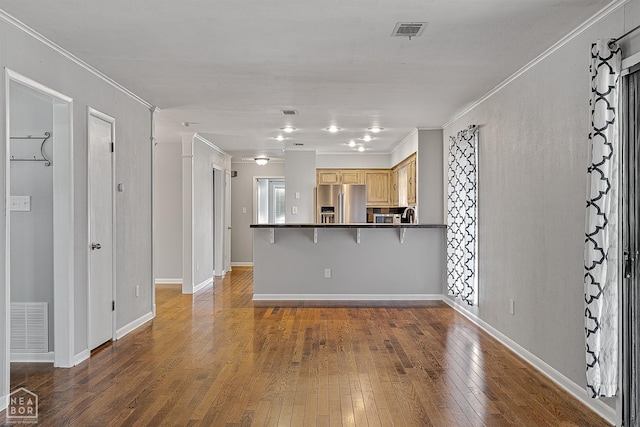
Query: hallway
{"points": [[219, 359]]}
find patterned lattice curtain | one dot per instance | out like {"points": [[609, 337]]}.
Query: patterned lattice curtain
{"points": [[462, 208], [601, 228]]}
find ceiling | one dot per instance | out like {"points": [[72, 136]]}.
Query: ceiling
{"points": [[229, 67]]}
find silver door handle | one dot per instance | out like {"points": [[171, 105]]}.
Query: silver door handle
{"points": [[229, 228], [95, 246]]}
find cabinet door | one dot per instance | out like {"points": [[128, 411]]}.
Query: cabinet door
{"points": [[377, 182], [411, 182], [328, 176], [352, 176], [394, 187]]}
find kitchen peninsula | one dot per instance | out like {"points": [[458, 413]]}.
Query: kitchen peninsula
{"points": [[348, 261]]}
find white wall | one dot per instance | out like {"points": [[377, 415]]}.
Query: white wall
{"points": [[353, 160], [32, 232], [532, 171], [300, 177], [242, 197], [430, 177], [167, 185], [26, 55]]}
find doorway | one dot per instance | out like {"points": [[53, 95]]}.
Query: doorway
{"points": [[41, 172], [101, 148], [269, 200]]}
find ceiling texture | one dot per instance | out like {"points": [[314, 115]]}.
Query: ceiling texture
{"points": [[228, 67]]}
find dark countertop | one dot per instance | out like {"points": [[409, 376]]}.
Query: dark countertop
{"points": [[359, 225]]}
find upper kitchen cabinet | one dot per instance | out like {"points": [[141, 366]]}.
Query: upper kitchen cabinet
{"points": [[403, 190], [378, 187], [339, 176]]}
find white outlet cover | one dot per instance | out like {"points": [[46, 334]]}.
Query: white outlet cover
{"points": [[327, 273], [20, 203], [294, 210]]}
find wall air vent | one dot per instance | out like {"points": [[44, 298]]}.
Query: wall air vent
{"points": [[408, 29], [289, 112]]}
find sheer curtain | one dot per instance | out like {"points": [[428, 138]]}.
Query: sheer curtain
{"points": [[601, 228], [462, 208]]}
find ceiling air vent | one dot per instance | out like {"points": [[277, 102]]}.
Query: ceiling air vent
{"points": [[298, 144], [289, 112], [408, 29]]}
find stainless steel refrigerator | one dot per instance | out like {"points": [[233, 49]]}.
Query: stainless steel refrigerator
{"points": [[341, 204]]}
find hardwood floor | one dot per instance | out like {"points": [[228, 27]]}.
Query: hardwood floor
{"points": [[219, 359]]}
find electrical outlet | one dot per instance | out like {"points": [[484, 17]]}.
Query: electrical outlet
{"points": [[327, 273], [512, 306], [137, 290], [294, 210]]}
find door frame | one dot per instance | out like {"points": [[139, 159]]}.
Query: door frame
{"points": [[63, 220], [92, 112]]}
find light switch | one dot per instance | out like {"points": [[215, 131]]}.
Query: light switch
{"points": [[297, 194], [244, 210], [20, 203]]}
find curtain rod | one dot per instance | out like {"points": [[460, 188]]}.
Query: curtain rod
{"points": [[627, 33]]}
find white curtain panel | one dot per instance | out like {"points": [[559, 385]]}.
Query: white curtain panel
{"points": [[601, 229], [462, 208]]}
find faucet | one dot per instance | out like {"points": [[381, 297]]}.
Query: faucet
{"points": [[413, 213]]}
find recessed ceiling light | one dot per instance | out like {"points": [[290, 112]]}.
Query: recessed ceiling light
{"points": [[352, 143], [361, 149], [288, 129], [279, 138], [333, 129], [367, 138], [375, 129]]}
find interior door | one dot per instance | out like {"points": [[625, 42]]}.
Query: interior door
{"points": [[100, 171]]}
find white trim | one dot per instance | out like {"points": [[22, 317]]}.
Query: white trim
{"points": [[205, 283], [608, 9], [131, 326], [212, 145], [81, 357], [242, 264], [565, 383], [347, 297], [3, 402], [245, 160], [168, 281], [630, 62], [33, 357], [398, 144], [68, 55]]}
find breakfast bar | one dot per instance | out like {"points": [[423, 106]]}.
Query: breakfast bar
{"points": [[348, 261]]}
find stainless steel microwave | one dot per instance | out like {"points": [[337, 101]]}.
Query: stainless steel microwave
{"points": [[386, 218]]}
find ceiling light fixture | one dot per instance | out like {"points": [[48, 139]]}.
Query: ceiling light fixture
{"points": [[361, 149], [367, 138], [352, 143], [333, 129], [261, 161], [288, 129], [279, 138], [375, 129]]}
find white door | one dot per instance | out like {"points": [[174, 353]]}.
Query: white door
{"points": [[100, 172]]}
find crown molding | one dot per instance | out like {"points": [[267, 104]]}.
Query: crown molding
{"points": [[4, 16], [410, 135], [604, 12], [210, 144], [249, 160]]}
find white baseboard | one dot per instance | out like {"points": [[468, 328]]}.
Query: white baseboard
{"points": [[347, 297], [133, 325], [81, 357], [33, 357], [602, 409], [200, 286], [169, 281], [242, 264]]}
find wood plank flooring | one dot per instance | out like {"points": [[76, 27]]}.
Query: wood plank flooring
{"points": [[220, 359]]}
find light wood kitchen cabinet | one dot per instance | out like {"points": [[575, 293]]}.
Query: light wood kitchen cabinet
{"points": [[393, 182], [328, 176], [339, 176], [411, 181], [378, 188], [352, 176]]}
